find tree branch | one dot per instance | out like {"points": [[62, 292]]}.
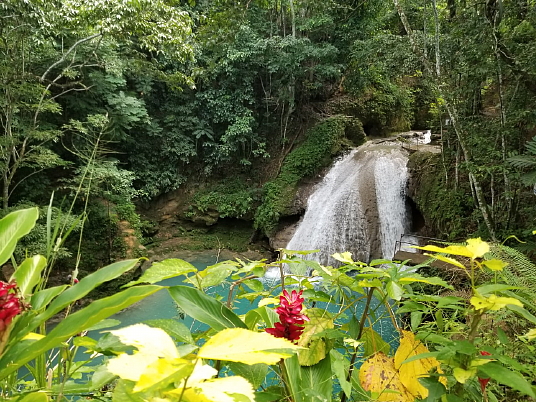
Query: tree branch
{"points": [[64, 57]]}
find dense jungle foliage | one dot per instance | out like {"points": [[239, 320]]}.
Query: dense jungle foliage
{"points": [[112, 104]]}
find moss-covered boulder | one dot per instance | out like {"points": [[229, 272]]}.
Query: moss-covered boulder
{"points": [[322, 142]]}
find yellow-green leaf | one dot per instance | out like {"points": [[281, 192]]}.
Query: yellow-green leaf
{"points": [[477, 247], [33, 336], [226, 389], [152, 344], [268, 300], [448, 260], [316, 347], [245, 346], [131, 367], [493, 302], [410, 372], [345, 257], [530, 335], [495, 265], [148, 340], [162, 372], [462, 375]]}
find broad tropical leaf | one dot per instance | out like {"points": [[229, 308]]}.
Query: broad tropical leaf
{"points": [[379, 376], [204, 308], [28, 274], [316, 347], [410, 371], [22, 352], [166, 269], [245, 346], [13, 227]]}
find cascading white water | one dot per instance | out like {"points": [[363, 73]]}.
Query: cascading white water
{"points": [[360, 206]]}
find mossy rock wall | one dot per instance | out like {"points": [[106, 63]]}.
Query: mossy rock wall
{"points": [[447, 210], [321, 144]]}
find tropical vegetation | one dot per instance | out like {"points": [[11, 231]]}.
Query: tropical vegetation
{"points": [[110, 108]]}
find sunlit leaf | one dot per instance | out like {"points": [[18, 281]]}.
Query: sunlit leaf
{"points": [[245, 346], [33, 336], [131, 367], [169, 268], [411, 371], [477, 247], [28, 274], [495, 265], [152, 344], [149, 340], [345, 257], [268, 300], [13, 227], [379, 376], [493, 302], [316, 347], [226, 389], [463, 375], [448, 260], [162, 372]]}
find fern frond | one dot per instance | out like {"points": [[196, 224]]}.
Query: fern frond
{"points": [[522, 161], [520, 271], [529, 179], [531, 146]]}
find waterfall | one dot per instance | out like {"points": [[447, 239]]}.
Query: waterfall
{"points": [[359, 207]]}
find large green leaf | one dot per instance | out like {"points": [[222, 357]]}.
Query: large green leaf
{"points": [[317, 348], [204, 308], [81, 289], [174, 328], [43, 297], [293, 375], [507, 377], [169, 268], [254, 373], [316, 382], [373, 342], [264, 314], [28, 274], [23, 352], [339, 367], [13, 227], [213, 275]]}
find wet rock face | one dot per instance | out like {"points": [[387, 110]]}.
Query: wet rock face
{"points": [[360, 206]]}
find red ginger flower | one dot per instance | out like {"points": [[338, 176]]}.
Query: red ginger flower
{"points": [[483, 381], [290, 317], [10, 306]]}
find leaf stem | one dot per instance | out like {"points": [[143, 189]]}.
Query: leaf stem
{"points": [[370, 292]]}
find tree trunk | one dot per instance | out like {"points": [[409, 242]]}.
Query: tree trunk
{"points": [[475, 184]]}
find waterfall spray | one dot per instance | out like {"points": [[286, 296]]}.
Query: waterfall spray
{"points": [[360, 206]]}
